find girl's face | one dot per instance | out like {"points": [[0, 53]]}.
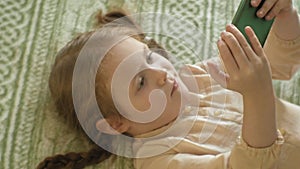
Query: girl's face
{"points": [[145, 86]]}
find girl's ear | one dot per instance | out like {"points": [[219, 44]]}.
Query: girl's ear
{"points": [[111, 126]]}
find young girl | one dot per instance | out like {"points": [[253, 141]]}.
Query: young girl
{"points": [[174, 123]]}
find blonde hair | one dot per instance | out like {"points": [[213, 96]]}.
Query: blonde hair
{"points": [[60, 84]]}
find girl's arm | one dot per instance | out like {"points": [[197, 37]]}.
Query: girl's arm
{"points": [[283, 44], [287, 25]]}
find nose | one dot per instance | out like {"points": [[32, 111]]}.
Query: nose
{"points": [[160, 75]]}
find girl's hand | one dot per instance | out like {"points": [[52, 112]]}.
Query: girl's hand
{"points": [[272, 8], [248, 73], [247, 68]]}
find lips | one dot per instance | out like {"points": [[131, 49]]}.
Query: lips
{"points": [[175, 86]]}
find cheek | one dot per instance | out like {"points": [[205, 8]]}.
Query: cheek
{"points": [[151, 100], [140, 101], [175, 103]]}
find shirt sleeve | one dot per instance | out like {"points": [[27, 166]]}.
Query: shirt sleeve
{"points": [[183, 161], [283, 55], [241, 156]]}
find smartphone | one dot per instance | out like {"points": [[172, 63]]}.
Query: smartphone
{"points": [[246, 16]]}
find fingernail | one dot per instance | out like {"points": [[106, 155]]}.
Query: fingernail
{"points": [[228, 26], [268, 17], [232, 26], [261, 13], [253, 2], [220, 42], [223, 33]]}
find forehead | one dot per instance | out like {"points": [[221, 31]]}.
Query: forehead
{"points": [[121, 51], [126, 48]]}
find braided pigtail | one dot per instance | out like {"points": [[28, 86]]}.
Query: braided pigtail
{"points": [[75, 160]]}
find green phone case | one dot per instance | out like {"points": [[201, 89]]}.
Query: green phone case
{"points": [[246, 16]]}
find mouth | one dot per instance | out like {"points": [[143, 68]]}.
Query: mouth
{"points": [[175, 87]]}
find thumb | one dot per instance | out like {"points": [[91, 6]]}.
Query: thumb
{"points": [[217, 74]]}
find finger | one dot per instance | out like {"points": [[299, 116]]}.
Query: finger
{"points": [[274, 11], [255, 3], [235, 48], [266, 7], [254, 41], [218, 75], [228, 60], [242, 40]]}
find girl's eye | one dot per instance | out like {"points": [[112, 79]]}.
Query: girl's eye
{"points": [[149, 57], [141, 82]]}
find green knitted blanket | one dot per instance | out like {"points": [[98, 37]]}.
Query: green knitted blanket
{"points": [[32, 31]]}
